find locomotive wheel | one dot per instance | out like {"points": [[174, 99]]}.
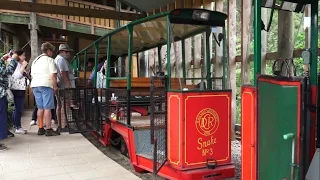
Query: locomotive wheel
{"points": [[124, 148], [116, 140]]}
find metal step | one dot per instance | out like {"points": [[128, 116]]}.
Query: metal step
{"points": [[313, 171]]}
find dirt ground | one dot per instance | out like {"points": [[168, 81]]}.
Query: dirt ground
{"points": [[115, 155]]}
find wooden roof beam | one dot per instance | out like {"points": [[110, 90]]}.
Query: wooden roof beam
{"points": [[7, 28], [65, 10]]}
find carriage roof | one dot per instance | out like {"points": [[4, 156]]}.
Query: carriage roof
{"points": [[151, 31]]}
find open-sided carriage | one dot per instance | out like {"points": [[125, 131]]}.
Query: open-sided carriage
{"points": [[163, 123]]}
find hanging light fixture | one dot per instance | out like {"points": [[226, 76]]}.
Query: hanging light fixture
{"points": [[287, 5], [297, 6]]}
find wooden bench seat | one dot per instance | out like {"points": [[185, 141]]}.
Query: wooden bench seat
{"points": [[143, 122], [144, 84], [141, 86]]}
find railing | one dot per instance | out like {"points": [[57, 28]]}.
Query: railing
{"points": [[93, 22]]}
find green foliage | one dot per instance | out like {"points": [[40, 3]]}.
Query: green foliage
{"points": [[272, 46]]}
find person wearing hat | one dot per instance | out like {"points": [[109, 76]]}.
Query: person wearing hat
{"points": [[44, 85], [65, 79]]}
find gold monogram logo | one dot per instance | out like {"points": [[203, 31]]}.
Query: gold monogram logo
{"points": [[207, 121]]}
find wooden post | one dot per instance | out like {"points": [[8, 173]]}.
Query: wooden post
{"points": [[245, 41], [285, 36], [33, 26], [35, 49], [92, 21], [232, 5], [64, 17], [218, 54], [118, 8]]}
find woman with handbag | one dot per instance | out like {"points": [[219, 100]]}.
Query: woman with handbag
{"points": [[17, 84]]}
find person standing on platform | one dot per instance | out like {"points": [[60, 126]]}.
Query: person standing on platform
{"points": [[44, 85], [4, 72], [17, 84], [65, 79]]}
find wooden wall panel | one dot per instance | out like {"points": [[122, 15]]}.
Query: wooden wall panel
{"points": [[197, 3], [171, 6], [188, 3], [179, 4]]}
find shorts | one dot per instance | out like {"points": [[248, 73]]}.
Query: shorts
{"points": [[44, 97]]}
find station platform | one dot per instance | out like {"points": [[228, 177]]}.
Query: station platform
{"points": [[64, 157]]}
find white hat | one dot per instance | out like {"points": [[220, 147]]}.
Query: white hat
{"points": [[64, 47]]}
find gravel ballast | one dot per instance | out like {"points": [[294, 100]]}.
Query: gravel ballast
{"points": [[236, 158], [115, 155]]}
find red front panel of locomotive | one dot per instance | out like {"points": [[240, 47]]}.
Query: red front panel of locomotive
{"points": [[199, 129], [174, 135], [207, 128]]}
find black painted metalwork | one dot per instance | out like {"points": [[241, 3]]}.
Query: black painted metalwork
{"points": [[80, 109], [158, 118]]}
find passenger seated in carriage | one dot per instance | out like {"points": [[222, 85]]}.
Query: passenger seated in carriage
{"points": [[90, 64], [113, 60], [99, 67]]}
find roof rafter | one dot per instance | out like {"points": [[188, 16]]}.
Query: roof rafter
{"points": [[65, 10]]}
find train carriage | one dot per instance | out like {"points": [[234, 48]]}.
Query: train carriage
{"points": [[164, 124]]}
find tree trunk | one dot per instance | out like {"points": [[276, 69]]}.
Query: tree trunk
{"points": [[232, 60], [285, 34], [218, 64], [245, 41]]}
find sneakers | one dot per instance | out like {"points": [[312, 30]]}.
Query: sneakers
{"points": [[41, 131], [3, 147], [33, 122], [51, 132], [20, 131], [10, 134], [65, 129]]}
